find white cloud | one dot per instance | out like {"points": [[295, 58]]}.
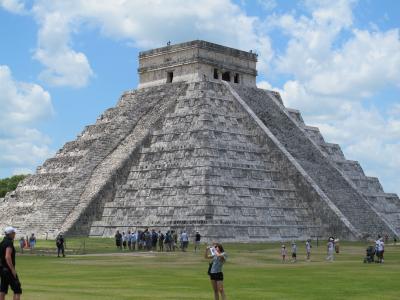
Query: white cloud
{"points": [[64, 66], [267, 4], [335, 74], [264, 85], [145, 24], [23, 105], [14, 6]]}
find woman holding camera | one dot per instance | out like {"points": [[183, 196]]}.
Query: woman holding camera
{"points": [[218, 258]]}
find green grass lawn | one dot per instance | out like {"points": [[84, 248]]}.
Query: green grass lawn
{"points": [[253, 271]]}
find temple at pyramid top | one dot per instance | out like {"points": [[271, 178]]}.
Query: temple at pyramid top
{"points": [[194, 61]]}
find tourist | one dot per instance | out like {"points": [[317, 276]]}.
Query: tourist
{"points": [[147, 239], [283, 253], [22, 244], [330, 249], [129, 240], [118, 240], [386, 238], [139, 239], [337, 247], [308, 249], [154, 240], [294, 252], [197, 239], [180, 241], [133, 240], [174, 240], [60, 243], [184, 240], [167, 241], [124, 240], [218, 258], [32, 242], [9, 275], [379, 249], [161, 238]]}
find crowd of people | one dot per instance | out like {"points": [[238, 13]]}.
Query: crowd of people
{"points": [[332, 248], [151, 240], [27, 243]]}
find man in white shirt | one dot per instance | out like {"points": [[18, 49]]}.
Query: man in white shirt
{"points": [[379, 248], [331, 249], [184, 240]]}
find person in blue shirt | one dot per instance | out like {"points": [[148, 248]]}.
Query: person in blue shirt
{"points": [[218, 258]]}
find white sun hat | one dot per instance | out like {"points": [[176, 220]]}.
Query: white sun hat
{"points": [[9, 230]]}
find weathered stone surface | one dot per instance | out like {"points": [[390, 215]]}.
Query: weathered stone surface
{"points": [[226, 159]]}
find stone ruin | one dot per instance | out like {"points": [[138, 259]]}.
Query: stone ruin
{"points": [[199, 147]]}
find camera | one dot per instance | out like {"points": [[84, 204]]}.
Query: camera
{"points": [[212, 250]]}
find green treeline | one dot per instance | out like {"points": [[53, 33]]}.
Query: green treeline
{"points": [[9, 184]]}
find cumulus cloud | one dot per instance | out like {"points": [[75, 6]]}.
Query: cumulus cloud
{"points": [[23, 105], [64, 66], [144, 24], [267, 4], [264, 85], [334, 77], [14, 6]]}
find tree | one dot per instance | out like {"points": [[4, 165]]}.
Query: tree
{"points": [[10, 184]]}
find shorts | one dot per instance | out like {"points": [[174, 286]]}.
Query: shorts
{"points": [[294, 255], [7, 279], [217, 276]]}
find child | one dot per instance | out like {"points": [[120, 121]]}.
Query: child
{"points": [[283, 253]]}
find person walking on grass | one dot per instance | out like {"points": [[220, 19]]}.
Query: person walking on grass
{"points": [[379, 249], [22, 244], [294, 252], [161, 238], [60, 243], [174, 240], [129, 239], [218, 258], [32, 242], [308, 250], [184, 240], [118, 240], [9, 277], [330, 249], [133, 240], [283, 253], [124, 240], [197, 239]]}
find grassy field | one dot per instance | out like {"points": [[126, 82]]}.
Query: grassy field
{"points": [[253, 271]]}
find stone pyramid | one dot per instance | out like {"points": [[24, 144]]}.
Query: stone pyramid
{"points": [[199, 147]]}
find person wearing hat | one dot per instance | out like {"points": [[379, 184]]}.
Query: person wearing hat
{"points": [[9, 275]]}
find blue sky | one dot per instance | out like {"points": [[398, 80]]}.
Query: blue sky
{"points": [[62, 63]]}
